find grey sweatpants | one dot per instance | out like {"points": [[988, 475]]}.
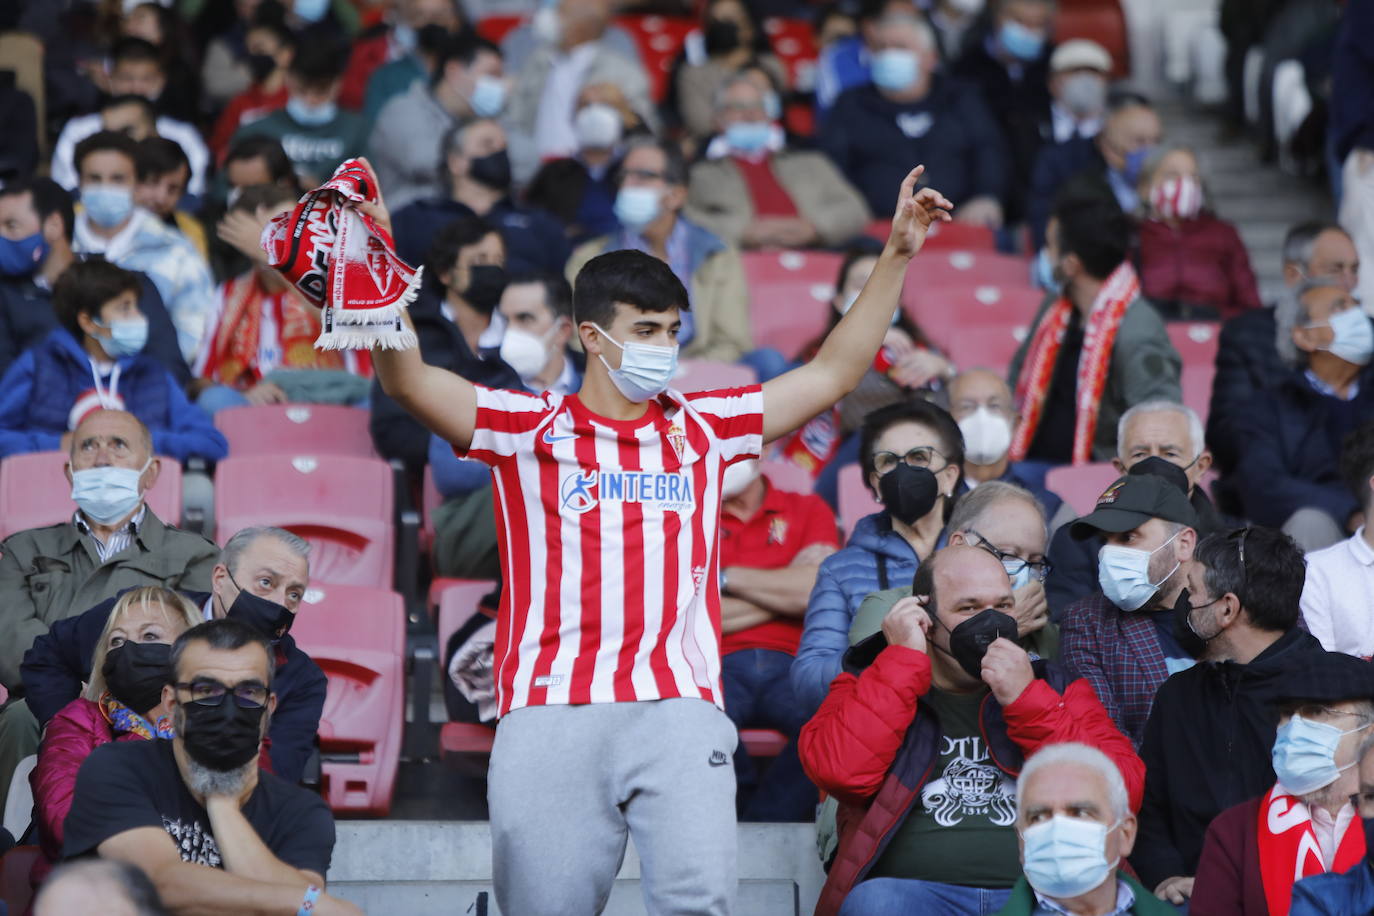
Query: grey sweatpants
{"points": [[567, 784]]}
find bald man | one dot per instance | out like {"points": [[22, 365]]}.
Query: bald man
{"points": [[934, 715], [112, 541]]}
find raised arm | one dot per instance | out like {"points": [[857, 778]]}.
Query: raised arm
{"points": [[795, 397]]}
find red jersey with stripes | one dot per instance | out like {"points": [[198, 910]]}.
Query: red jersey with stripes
{"points": [[608, 535]]}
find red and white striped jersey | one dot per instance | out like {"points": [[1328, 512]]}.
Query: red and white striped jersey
{"points": [[609, 543]]}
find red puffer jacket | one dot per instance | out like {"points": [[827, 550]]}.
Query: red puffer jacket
{"points": [[1202, 262], [873, 746]]}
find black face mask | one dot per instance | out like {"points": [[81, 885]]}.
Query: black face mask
{"points": [[261, 66], [486, 283], [908, 493], [492, 170], [722, 37], [222, 737], [1192, 643], [270, 619], [136, 672], [969, 641]]}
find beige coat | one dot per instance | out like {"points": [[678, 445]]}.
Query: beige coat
{"points": [[720, 302], [718, 197], [696, 91]]}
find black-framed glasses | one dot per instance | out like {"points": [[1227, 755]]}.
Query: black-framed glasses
{"points": [[1039, 569], [205, 692], [919, 457], [1239, 536]]}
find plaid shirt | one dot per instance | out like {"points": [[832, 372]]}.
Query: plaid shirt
{"points": [[1119, 654]]}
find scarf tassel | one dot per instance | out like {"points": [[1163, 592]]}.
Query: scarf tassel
{"points": [[364, 329]]}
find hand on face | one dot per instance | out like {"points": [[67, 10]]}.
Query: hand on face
{"points": [[908, 624], [1032, 609], [1007, 670]]}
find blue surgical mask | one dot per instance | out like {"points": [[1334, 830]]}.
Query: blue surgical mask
{"points": [[311, 10], [1135, 164], [127, 337], [772, 105], [1352, 336], [1021, 577], [1020, 42], [107, 494], [748, 136], [21, 257], [309, 115], [107, 205], [895, 69], [1304, 754], [1124, 574], [1043, 271], [645, 369], [1066, 856], [488, 97], [405, 37], [637, 207]]}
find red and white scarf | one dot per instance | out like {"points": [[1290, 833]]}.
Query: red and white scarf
{"points": [[1288, 848], [232, 357], [342, 260], [1032, 387]]}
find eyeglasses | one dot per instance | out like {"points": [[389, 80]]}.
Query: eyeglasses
{"points": [[212, 693], [918, 457], [644, 175], [1040, 569]]}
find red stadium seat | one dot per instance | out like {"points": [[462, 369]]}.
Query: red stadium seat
{"points": [[341, 504], [944, 236], [357, 635], [34, 492], [856, 501], [496, 28], [15, 888], [762, 742], [984, 348], [794, 42], [458, 601], [660, 39], [706, 374], [1197, 388], [947, 312], [1195, 341], [1100, 20], [789, 296], [787, 476], [287, 429], [967, 267], [1080, 485]]}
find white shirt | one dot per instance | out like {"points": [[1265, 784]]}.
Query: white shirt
{"points": [[78, 129], [1338, 597], [1066, 126], [554, 135], [1329, 830]]}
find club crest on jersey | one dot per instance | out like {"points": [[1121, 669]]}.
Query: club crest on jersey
{"points": [[581, 491], [777, 531], [677, 438]]}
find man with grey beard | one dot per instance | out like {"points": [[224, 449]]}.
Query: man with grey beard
{"points": [[213, 832]]}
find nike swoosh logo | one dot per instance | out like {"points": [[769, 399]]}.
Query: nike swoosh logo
{"points": [[550, 438]]}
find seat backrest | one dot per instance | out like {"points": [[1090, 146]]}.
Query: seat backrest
{"points": [[708, 374], [984, 348], [943, 236], [287, 429], [789, 296], [856, 501], [660, 38], [946, 312], [788, 476], [342, 505], [1080, 485], [1195, 341], [496, 28], [34, 492], [1102, 21], [458, 602], [794, 43]]}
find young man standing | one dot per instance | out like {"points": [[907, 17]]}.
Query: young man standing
{"points": [[608, 644]]}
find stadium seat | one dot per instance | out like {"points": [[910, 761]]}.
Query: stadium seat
{"points": [[983, 348], [341, 504], [287, 429], [660, 39], [944, 235], [762, 742], [947, 312], [789, 296], [458, 602], [1103, 21], [787, 476], [15, 888], [855, 499], [959, 267], [495, 28], [794, 42], [1197, 388], [706, 374], [1081, 484], [34, 492], [357, 635], [1195, 341]]}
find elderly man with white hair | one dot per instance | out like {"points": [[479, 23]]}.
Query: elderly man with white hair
{"points": [[1165, 430], [1075, 826]]}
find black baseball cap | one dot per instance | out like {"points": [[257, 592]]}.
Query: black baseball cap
{"points": [[1329, 677], [1131, 502]]}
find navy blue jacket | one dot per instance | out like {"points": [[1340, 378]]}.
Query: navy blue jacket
{"points": [[1352, 80], [1292, 460], [59, 662], [1348, 894], [875, 141], [41, 387], [1054, 165], [534, 239], [1248, 363], [26, 317]]}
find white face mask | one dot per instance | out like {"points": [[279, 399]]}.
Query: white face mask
{"points": [[526, 353], [597, 126], [1065, 857], [645, 369], [107, 494], [1124, 574], [637, 206], [987, 436], [1352, 336]]}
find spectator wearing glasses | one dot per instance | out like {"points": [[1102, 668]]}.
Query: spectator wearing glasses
{"points": [[1305, 824], [1121, 637], [913, 457], [1350, 893], [1336, 600], [1209, 736], [195, 813]]}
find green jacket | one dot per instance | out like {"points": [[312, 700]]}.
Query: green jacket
{"points": [[869, 620], [1144, 367], [1022, 902], [47, 574]]}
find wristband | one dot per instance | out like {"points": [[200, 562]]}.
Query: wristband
{"points": [[312, 893]]}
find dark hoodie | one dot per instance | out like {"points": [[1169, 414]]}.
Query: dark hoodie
{"points": [[1207, 747]]}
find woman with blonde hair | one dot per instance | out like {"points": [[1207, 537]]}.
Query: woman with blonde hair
{"points": [[121, 702]]}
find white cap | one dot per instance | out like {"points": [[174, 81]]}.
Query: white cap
{"points": [[1080, 54]]}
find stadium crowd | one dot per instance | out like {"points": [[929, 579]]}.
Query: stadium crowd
{"points": [[806, 387]]}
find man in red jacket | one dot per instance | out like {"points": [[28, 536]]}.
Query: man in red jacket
{"points": [[922, 748]]}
